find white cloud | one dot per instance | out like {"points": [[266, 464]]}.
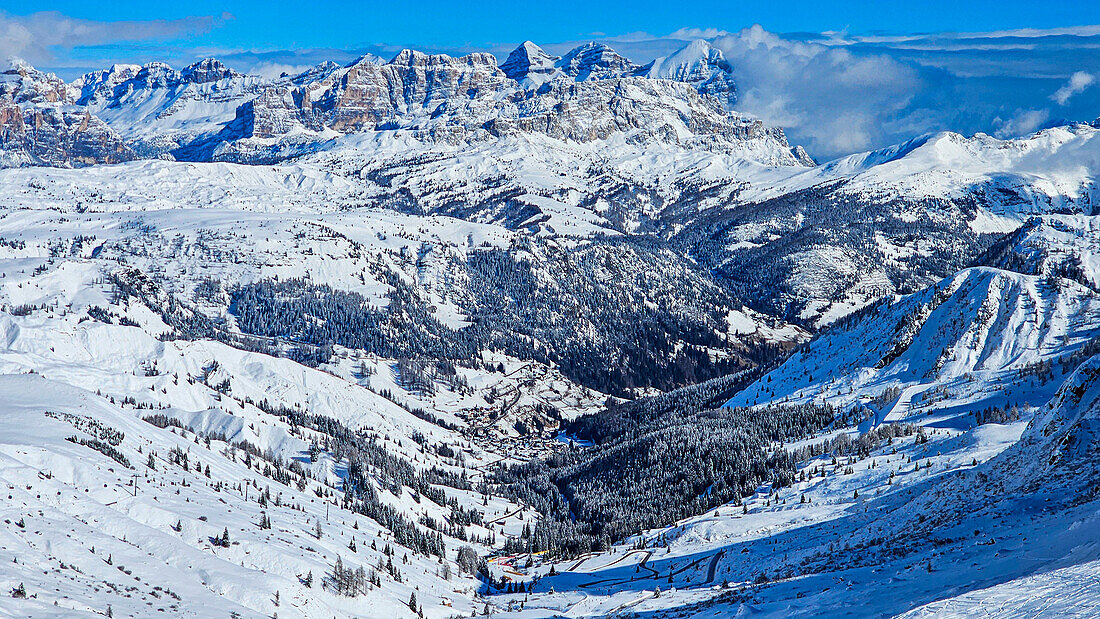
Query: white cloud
{"points": [[843, 38], [1077, 83], [35, 37], [834, 100], [276, 69], [1021, 123], [690, 34]]}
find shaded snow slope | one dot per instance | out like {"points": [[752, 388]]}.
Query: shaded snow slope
{"points": [[983, 496], [983, 327]]}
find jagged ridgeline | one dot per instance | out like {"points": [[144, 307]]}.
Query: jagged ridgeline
{"points": [[613, 314], [207, 111]]}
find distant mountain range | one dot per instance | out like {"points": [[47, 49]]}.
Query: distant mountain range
{"points": [[563, 336], [207, 111]]}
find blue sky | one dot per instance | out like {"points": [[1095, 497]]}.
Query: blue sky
{"points": [[840, 77], [283, 24]]}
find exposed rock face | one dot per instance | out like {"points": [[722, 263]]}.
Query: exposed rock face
{"points": [[590, 94], [275, 112], [594, 110], [595, 61], [207, 70], [529, 65], [207, 111], [405, 92], [39, 126], [413, 84], [50, 136], [25, 85]]}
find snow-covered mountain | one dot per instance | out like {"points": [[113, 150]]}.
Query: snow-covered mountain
{"points": [[982, 326], [158, 108], [961, 478], [815, 244], [208, 111], [697, 63], [700, 64], [530, 65], [39, 126], [566, 336]]}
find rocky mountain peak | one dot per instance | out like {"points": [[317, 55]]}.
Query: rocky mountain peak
{"points": [[103, 82], [17, 65], [207, 70], [530, 63], [697, 63], [594, 61], [27, 85], [155, 74]]}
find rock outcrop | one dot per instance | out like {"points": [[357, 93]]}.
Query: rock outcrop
{"points": [[39, 125]]}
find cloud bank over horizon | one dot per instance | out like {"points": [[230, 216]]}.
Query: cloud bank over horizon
{"points": [[833, 92]]}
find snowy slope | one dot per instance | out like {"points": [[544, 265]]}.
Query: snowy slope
{"points": [[71, 347], [1055, 245], [573, 227], [955, 513], [1049, 171], [974, 332], [816, 244], [91, 533]]}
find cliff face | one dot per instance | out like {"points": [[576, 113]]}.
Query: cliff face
{"points": [[48, 136], [207, 111], [591, 93], [40, 126]]}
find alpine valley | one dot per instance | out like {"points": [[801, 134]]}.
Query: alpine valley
{"points": [[551, 337]]}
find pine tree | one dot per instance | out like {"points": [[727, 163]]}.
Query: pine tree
{"points": [[412, 601]]}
